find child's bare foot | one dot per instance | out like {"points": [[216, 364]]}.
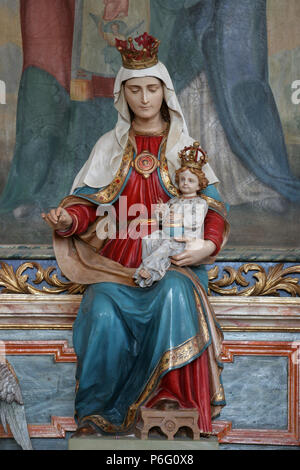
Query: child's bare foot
{"points": [[144, 274]]}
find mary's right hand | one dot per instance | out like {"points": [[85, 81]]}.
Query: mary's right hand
{"points": [[58, 219]]}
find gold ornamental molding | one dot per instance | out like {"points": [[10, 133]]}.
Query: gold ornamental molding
{"points": [[232, 283], [266, 283], [16, 282]]}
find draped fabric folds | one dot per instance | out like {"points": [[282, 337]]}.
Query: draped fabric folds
{"points": [[135, 337], [227, 40], [235, 58], [127, 339], [177, 385]]}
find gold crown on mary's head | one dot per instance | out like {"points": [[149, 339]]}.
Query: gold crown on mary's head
{"points": [[193, 156], [142, 58]]}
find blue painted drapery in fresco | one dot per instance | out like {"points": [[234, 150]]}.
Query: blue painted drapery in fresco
{"points": [[226, 39]]}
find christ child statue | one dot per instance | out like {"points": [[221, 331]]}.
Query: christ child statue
{"points": [[181, 221]]}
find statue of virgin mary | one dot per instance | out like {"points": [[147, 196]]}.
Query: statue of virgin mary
{"points": [[157, 346]]}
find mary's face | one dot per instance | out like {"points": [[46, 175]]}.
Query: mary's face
{"points": [[144, 96]]}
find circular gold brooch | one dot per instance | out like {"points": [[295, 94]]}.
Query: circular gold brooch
{"points": [[145, 163]]}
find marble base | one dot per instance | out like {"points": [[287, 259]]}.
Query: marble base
{"points": [[129, 443], [261, 352], [29, 311]]}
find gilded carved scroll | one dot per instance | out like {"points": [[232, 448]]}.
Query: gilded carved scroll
{"points": [[233, 282]]}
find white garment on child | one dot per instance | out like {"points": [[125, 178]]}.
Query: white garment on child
{"points": [[157, 248]]}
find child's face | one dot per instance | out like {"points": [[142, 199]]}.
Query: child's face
{"points": [[188, 183]]}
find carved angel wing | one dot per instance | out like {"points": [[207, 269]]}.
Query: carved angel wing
{"points": [[12, 410], [9, 386]]}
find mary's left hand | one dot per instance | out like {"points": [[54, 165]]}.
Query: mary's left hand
{"points": [[195, 253]]}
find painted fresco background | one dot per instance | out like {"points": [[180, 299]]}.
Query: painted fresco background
{"points": [[260, 217], [10, 73], [284, 68], [100, 27]]}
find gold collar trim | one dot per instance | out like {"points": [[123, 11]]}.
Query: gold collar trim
{"points": [[110, 192]]}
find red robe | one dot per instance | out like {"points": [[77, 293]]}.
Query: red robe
{"points": [[189, 385]]}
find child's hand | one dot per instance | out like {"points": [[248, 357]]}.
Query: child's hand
{"points": [[196, 252]]}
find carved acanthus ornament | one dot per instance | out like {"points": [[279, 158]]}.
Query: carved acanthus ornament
{"points": [[17, 282], [270, 282], [266, 283]]}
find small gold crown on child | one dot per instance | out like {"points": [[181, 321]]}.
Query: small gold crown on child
{"points": [[193, 156]]}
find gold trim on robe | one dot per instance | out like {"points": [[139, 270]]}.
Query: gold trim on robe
{"points": [[78, 256], [79, 259], [110, 192], [177, 357], [170, 359], [215, 205], [164, 172]]}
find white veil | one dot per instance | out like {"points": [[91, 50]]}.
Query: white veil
{"points": [[106, 156]]}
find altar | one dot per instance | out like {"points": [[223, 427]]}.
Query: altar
{"points": [[261, 352], [235, 69]]}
